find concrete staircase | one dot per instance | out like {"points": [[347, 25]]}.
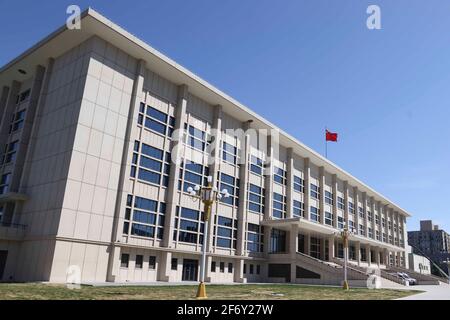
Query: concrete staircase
{"points": [[422, 279]]}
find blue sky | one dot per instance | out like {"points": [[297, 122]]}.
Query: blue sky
{"points": [[305, 65]]}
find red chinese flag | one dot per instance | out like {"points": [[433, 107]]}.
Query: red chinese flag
{"points": [[331, 136]]}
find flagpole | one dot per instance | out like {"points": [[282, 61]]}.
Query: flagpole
{"points": [[326, 144]]}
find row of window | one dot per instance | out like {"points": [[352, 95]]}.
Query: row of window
{"points": [[150, 164], [139, 261]]}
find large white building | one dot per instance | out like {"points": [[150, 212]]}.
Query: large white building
{"points": [[87, 179]]}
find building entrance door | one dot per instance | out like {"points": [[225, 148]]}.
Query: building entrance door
{"points": [[190, 270], [3, 256]]}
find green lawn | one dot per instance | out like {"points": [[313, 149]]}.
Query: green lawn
{"points": [[226, 292]]}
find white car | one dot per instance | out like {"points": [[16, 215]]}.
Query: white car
{"points": [[407, 278]]}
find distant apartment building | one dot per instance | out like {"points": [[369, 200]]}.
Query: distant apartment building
{"points": [[90, 180], [432, 242]]}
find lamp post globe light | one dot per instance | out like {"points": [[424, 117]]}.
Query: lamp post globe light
{"points": [[345, 234], [207, 195]]}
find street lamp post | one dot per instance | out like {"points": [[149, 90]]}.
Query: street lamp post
{"points": [[208, 195], [345, 234]]}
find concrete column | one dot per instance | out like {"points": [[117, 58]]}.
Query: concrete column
{"points": [[214, 169], [397, 221], [364, 201], [308, 244], [9, 107], [176, 147], [355, 206], [136, 98], [346, 219], [334, 187], [368, 255], [238, 275], [293, 240], [3, 100], [268, 182], [307, 195], [164, 266], [386, 257], [322, 195], [358, 252], [243, 191], [372, 209], [377, 252], [322, 248], [289, 182], [267, 234], [385, 215], [331, 248]]}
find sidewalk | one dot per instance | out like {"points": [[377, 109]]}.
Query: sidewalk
{"points": [[441, 292]]}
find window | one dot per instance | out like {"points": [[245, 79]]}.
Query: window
{"points": [[152, 262], [351, 208], [196, 138], [351, 225], [383, 222], [315, 247], [277, 241], [124, 259], [139, 261], [315, 191], [230, 267], [255, 238], [328, 197], [222, 267], [17, 121], [279, 206], [370, 232], [232, 185], [229, 153], [146, 217], [361, 213], [362, 231], [314, 214], [279, 175], [1, 212], [351, 253], [341, 222], [174, 264], [255, 198], [363, 254], [10, 151], [340, 203], [377, 219], [23, 96], [256, 165], [299, 184], [192, 174], [258, 269], [155, 120], [377, 235], [384, 237], [4, 183], [152, 164], [188, 225], [225, 232], [251, 269], [369, 216], [298, 208], [213, 266], [245, 268], [328, 218]]}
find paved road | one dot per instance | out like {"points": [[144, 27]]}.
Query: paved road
{"points": [[441, 292]]}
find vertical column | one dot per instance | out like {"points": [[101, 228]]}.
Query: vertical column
{"points": [[346, 205], [372, 210], [243, 191], [331, 248], [308, 244], [3, 99], [214, 162], [322, 248], [334, 190], [267, 239], [368, 255], [289, 182], [176, 147], [268, 182], [9, 107], [356, 208], [377, 253], [293, 240], [113, 258], [322, 195], [358, 252], [397, 221], [380, 216], [385, 215], [364, 201], [307, 194]]}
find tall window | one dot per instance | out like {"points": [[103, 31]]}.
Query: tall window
{"points": [[145, 216], [4, 183], [341, 203], [23, 96], [279, 206], [196, 138], [277, 241], [10, 152], [232, 185], [279, 175], [255, 198], [225, 233], [152, 164], [315, 247], [124, 260], [341, 222], [299, 184], [351, 208], [328, 218], [192, 174], [328, 197], [256, 165], [314, 214], [362, 215], [255, 238], [189, 225], [298, 208], [155, 120], [17, 121], [229, 153], [315, 191]]}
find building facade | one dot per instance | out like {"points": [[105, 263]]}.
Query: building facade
{"points": [[93, 179], [432, 242]]}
